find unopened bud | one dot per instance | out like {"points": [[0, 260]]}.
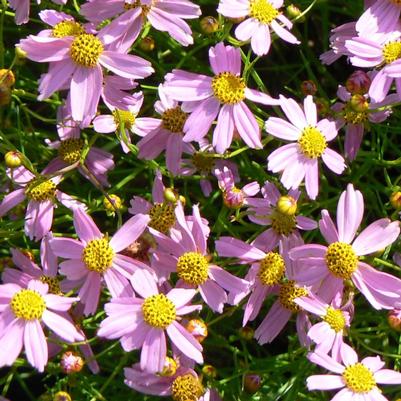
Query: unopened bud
{"points": [[62, 396], [394, 319], [71, 362], [13, 159], [209, 371], [209, 25], [147, 44], [395, 200], [182, 200], [117, 203], [170, 195], [170, 367], [293, 11], [287, 205], [323, 106], [234, 198], [359, 103], [20, 55], [252, 383], [5, 95], [198, 329], [7, 77], [308, 88], [358, 83], [246, 333]]}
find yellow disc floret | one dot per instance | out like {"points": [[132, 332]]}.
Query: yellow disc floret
{"points": [[174, 119], [162, 217], [335, 319], [186, 388], [86, 50], [288, 292], [391, 52], [263, 11], [228, 88], [341, 260], [170, 367], [136, 4], [98, 255], [272, 268], [70, 150], [203, 161], [283, 224], [312, 142], [67, 28], [40, 189], [53, 283], [123, 117], [358, 378], [158, 311], [28, 304], [193, 268]]}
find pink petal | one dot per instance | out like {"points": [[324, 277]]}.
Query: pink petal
{"points": [[154, 351], [62, 327], [35, 344], [324, 382], [144, 283]]}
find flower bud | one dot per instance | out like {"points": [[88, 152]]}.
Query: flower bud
{"points": [[170, 195], [62, 396], [13, 159], [323, 106], [209, 371], [7, 77], [198, 329], [252, 383], [71, 362], [308, 88], [246, 333], [170, 367], [394, 319], [359, 103], [209, 25], [117, 202], [395, 200], [294, 12], [234, 198], [147, 44], [287, 205], [358, 83], [5, 95]]}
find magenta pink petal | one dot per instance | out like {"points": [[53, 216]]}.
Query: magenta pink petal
{"points": [[327, 228], [12, 199], [214, 296], [232, 247], [85, 227], [67, 248]]}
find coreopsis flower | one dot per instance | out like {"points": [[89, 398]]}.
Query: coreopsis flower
{"points": [[222, 96], [163, 15], [329, 333], [234, 197], [355, 113], [166, 135], [382, 51], [141, 323], [299, 160], [186, 254], [70, 149], [331, 265], [42, 195], [76, 60], [22, 9], [24, 311], [280, 213], [357, 380], [264, 15], [95, 257]]}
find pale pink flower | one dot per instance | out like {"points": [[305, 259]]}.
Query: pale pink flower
{"points": [[357, 380], [94, 258], [24, 311], [222, 96], [330, 266], [22, 9], [264, 16], [300, 160], [140, 323]]}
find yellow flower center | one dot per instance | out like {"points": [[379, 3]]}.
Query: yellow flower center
{"points": [[67, 28], [137, 3], [40, 189], [158, 311], [98, 255], [341, 260], [70, 150], [263, 11], [28, 304], [312, 142], [204, 162], [86, 50], [271, 269], [162, 217], [228, 88], [288, 292], [170, 367], [335, 319], [193, 268], [356, 110], [283, 224], [174, 119], [391, 51], [53, 283], [358, 378], [186, 388], [123, 117]]}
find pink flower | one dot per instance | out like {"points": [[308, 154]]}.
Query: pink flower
{"points": [[222, 95], [263, 16], [42, 194], [23, 313], [299, 160], [163, 15], [358, 380], [331, 265], [76, 59], [141, 323], [186, 253], [95, 257], [22, 8]]}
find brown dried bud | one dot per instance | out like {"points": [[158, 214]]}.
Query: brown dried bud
{"points": [[209, 25]]}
